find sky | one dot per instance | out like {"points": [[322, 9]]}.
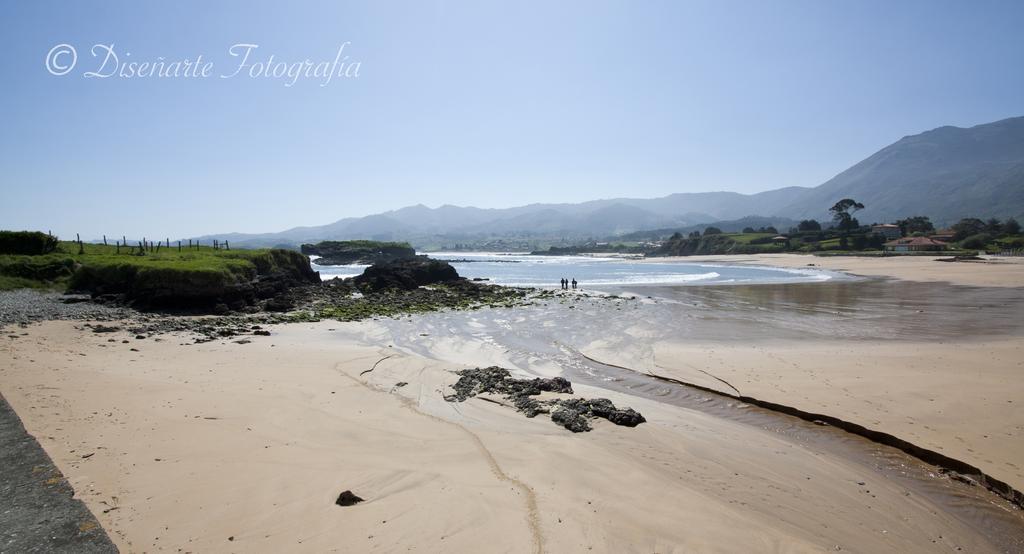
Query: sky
{"points": [[475, 103]]}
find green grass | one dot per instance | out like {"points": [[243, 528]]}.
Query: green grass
{"points": [[13, 283], [168, 269], [745, 238]]}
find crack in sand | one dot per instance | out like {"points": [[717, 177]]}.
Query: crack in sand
{"points": [[727, 383], [532, 513], [361, 373]]}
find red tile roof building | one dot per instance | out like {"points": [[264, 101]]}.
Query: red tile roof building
{"points": [[914, 244]]}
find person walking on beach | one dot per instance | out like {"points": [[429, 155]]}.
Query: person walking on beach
{"points": [[562, 282], [573, 283]]}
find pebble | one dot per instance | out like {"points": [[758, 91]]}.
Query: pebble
{"points": [[26, 306]]}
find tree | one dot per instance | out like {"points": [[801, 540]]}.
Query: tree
{"points": [[676, 236], [966, 227], [770, 229], [809, 225], [916, 224], [976, 242], [712, 231], [842, 213], [1011, 227], [749, 230], [993, 226]]}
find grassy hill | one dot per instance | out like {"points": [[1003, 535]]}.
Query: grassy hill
{"points": [[159, 277]]}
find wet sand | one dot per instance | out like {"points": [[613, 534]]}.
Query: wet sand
{"points": [[994, 272]]}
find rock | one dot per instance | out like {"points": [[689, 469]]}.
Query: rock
{"points": [[101, 328], [628, 417], [573, 413], [261, 333], [529, 406], [347, 498], [346, 252], [279, 304], [555, 384], [75, 298], [406, 274], [570, 417], [498, 380]]}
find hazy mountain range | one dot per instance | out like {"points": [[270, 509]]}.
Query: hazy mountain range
{"points": [[946, 173]]}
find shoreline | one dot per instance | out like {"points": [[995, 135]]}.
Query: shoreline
{"points": [[994, 272]]}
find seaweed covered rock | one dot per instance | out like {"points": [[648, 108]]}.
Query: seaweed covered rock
{"points": [[498, 380], [573, 413], [406, 274]]}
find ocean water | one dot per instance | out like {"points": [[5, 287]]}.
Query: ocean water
{"points": [[600, 272]]}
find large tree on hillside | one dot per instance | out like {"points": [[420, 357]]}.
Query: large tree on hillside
{"points": [[842, 213]]}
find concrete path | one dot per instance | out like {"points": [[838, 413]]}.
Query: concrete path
{"points": [[38, 510]]}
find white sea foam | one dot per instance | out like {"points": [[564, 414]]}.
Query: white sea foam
{"points": [[525, 270]]}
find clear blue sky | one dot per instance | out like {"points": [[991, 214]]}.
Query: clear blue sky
{"points": [[473, 103]]}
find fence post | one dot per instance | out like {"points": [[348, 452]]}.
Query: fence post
{"points": [[226, 246], [179, 246], [104, 240], [78, 239]]}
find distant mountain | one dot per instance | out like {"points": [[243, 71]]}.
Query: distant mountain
{"points": [[946, 173], [782, 224], [587, 220]]}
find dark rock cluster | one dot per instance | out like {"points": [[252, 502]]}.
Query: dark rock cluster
{"points": [[344, 252], [574, 414], [498, 380], [406, 274]]}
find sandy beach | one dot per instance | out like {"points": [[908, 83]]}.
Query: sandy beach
{"points": [[993, 272], [232, 447]]}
